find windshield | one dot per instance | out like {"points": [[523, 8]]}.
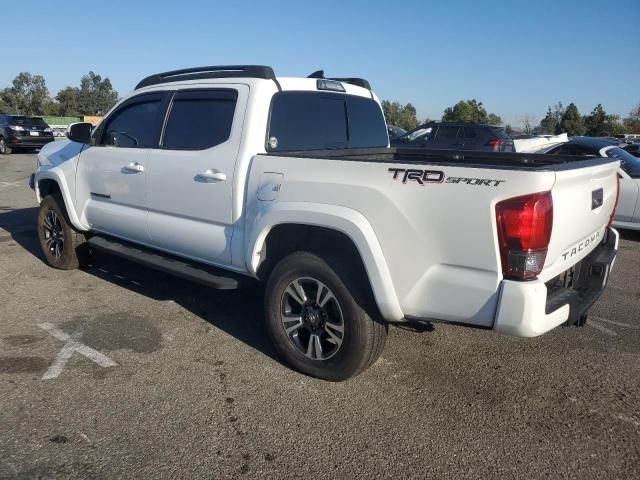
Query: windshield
{"points": [[28, 122], [628, 162]]}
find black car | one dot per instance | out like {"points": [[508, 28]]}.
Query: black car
{"points": [[18, 132], [457, 136], [594, 146], [633, 149]]}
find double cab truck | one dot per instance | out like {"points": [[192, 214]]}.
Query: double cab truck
{"points": [[232, 177]]}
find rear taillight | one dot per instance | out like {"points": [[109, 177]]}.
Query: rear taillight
{"points": [[615, 205], [496, 143], [524, 231]]}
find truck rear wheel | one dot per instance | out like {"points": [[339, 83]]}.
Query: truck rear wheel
{"points": [[62, 246], [318, 317]]}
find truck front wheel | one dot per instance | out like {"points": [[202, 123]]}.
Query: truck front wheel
{"points": [[62, 246], [320, 317]]}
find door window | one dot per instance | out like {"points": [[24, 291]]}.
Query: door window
{"points": [[446, 135], [199, 119], [136, 124]]}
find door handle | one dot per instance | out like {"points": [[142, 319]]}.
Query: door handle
{"points": [[211, 176], [133, 167]]}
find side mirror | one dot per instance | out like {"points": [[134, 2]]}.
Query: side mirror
{"points": [[80, 132]]}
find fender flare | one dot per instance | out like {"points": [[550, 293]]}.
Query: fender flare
{"points": [[342, 219], [64, 190]]}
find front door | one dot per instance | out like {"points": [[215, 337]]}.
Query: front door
{"points": [[112, 173], [190, 177]]}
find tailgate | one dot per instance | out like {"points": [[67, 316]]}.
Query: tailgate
{"points": [[583, 200]]}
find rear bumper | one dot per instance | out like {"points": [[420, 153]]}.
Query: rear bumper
{"points": [[28, 141], [529, 309]]}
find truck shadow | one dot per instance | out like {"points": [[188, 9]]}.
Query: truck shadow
{"points": [[238, 313], [633, 235]]}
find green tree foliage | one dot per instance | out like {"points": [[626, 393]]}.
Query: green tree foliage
{"points": [[67, 100], [403, 116], [467, 111], [28, 95], [493, 119], [548, 124], [595, 122], [95, 96], [632, 122], [571, 122]]}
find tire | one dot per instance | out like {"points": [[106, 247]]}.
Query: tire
{"points": [[62, 246], [336, 299], [4, 149]]}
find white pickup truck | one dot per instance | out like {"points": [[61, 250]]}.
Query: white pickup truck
{"points": [[231, 176]]}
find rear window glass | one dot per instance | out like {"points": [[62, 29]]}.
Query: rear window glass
{"points": [[199, 119], [318, 121], [501, 134], [28, 122], [367, 127], [628, 162]]}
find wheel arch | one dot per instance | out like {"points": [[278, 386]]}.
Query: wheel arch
{"points": [[283, 229], [49, 183]]}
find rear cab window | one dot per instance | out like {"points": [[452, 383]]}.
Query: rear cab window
{"points": [[303, 120]]}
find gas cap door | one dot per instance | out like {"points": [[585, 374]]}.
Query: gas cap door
{"points": [[270, 185]]}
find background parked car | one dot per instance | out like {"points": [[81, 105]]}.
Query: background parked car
{"points": [[633, 149], [18, 132], [628, 211], [457, 136], [395, 132]]}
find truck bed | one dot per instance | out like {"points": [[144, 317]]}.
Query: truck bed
{"points": [[491, 160]]}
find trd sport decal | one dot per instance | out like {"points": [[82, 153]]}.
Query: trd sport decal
{"points": [[436, 176]]}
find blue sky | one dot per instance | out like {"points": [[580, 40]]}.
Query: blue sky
{"points": [[517, 57]]}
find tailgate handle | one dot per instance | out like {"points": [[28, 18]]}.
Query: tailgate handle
{"points": [[597, 198]]}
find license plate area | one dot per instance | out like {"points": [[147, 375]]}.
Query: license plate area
{"points": [[34, 134]]}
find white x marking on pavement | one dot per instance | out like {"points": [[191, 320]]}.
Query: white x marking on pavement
{"points": [[72, 345]]}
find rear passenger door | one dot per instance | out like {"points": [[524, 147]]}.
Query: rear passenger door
{"points": [[472, 138], [190, 177]]}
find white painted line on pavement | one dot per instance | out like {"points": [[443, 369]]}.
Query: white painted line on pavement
{"points": [[620, 324], [9, 184], [603, 329], [72, 345]]}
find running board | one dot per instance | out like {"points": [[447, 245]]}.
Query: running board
{"points": [[193, 271]]}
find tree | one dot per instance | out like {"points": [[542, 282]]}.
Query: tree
{"points": [[508, 129], [571, 122], [595, 122], [632, 122], [548, 124], [527, 124], [493, 119], [67, 99], [403, 116], [95, 96], [467, 111], [27, 96]]}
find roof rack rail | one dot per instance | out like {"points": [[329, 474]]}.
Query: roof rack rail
{"points": [[219, 71]]}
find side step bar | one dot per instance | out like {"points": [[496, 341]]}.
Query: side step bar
{"points": [[193, 271]]}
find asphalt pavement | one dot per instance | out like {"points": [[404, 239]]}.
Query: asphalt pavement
{"points": [[117, 371]]}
